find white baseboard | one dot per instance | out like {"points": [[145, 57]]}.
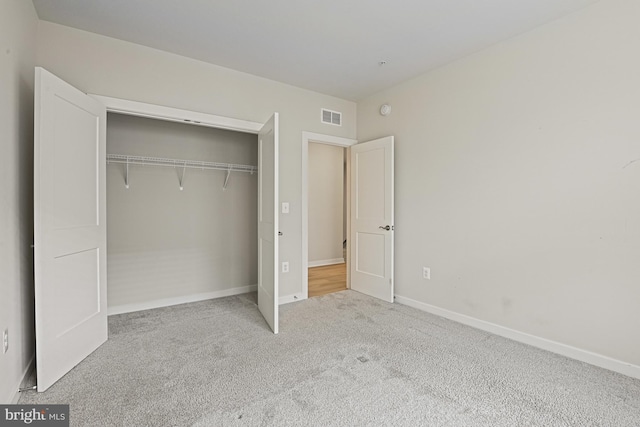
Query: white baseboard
{"points": [[166, 302], [291, 298], [535, 341], [322, 262], [23, 382]]}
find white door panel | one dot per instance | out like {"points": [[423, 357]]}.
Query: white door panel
{"points": [[268, 222], [371, 213], [69, 227]]}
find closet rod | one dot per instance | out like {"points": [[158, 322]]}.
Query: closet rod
{"points": [[190, 164]]}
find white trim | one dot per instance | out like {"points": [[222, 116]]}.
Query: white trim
{"points": [[291, 298], [141, 109], [535, 341], [166, 302], [159, 112], [308, 137], [23, 382], [324, 262], [326, 139]]}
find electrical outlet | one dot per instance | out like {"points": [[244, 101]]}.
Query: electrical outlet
{"points": [[426, 273], [5, 341], [285, 267]]}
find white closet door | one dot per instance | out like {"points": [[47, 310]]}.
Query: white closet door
{"points": [[372, 218], [268, 222], [70, 227]]}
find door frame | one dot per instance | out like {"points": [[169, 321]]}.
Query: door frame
{"points": [[159, 112], [318, 138]]}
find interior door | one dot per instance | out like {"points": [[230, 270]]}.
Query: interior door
{"points": [[268, 222], [69, 227], [372, 225]]}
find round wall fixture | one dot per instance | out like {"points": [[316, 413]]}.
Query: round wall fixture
{"points": [[385, 109]]}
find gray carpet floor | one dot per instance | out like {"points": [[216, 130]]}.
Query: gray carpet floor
{"points": [[343, 359]]}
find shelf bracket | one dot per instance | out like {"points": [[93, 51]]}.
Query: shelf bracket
{"points": [[126, 175], [226, 180], [184, 171]]}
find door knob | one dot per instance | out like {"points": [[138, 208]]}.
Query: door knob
{"points": [[388, 227]]}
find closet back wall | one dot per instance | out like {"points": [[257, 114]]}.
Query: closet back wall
{"points": [[168, 246]]}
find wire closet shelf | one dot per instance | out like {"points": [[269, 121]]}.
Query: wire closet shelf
{"points": [[178, 164]]}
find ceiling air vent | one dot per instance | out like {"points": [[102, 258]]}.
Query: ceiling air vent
{"points": [[331, 117]]}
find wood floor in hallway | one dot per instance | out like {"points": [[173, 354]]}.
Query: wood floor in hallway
{"points": [[327, 279]]}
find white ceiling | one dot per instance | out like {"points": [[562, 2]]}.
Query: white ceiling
{"points": [[329, 46]]}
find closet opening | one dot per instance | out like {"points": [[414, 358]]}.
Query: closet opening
{"points": [[182, 213], [174, 233]]}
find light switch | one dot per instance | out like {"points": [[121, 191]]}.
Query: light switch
{"points": [[285, 207]]}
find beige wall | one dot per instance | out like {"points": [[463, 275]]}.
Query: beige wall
{"points": [[515, 181], [105, 66], [326, 184], [164, 243], [18, 26]]}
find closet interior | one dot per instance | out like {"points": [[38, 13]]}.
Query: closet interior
{"points": [[181, 212]]}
